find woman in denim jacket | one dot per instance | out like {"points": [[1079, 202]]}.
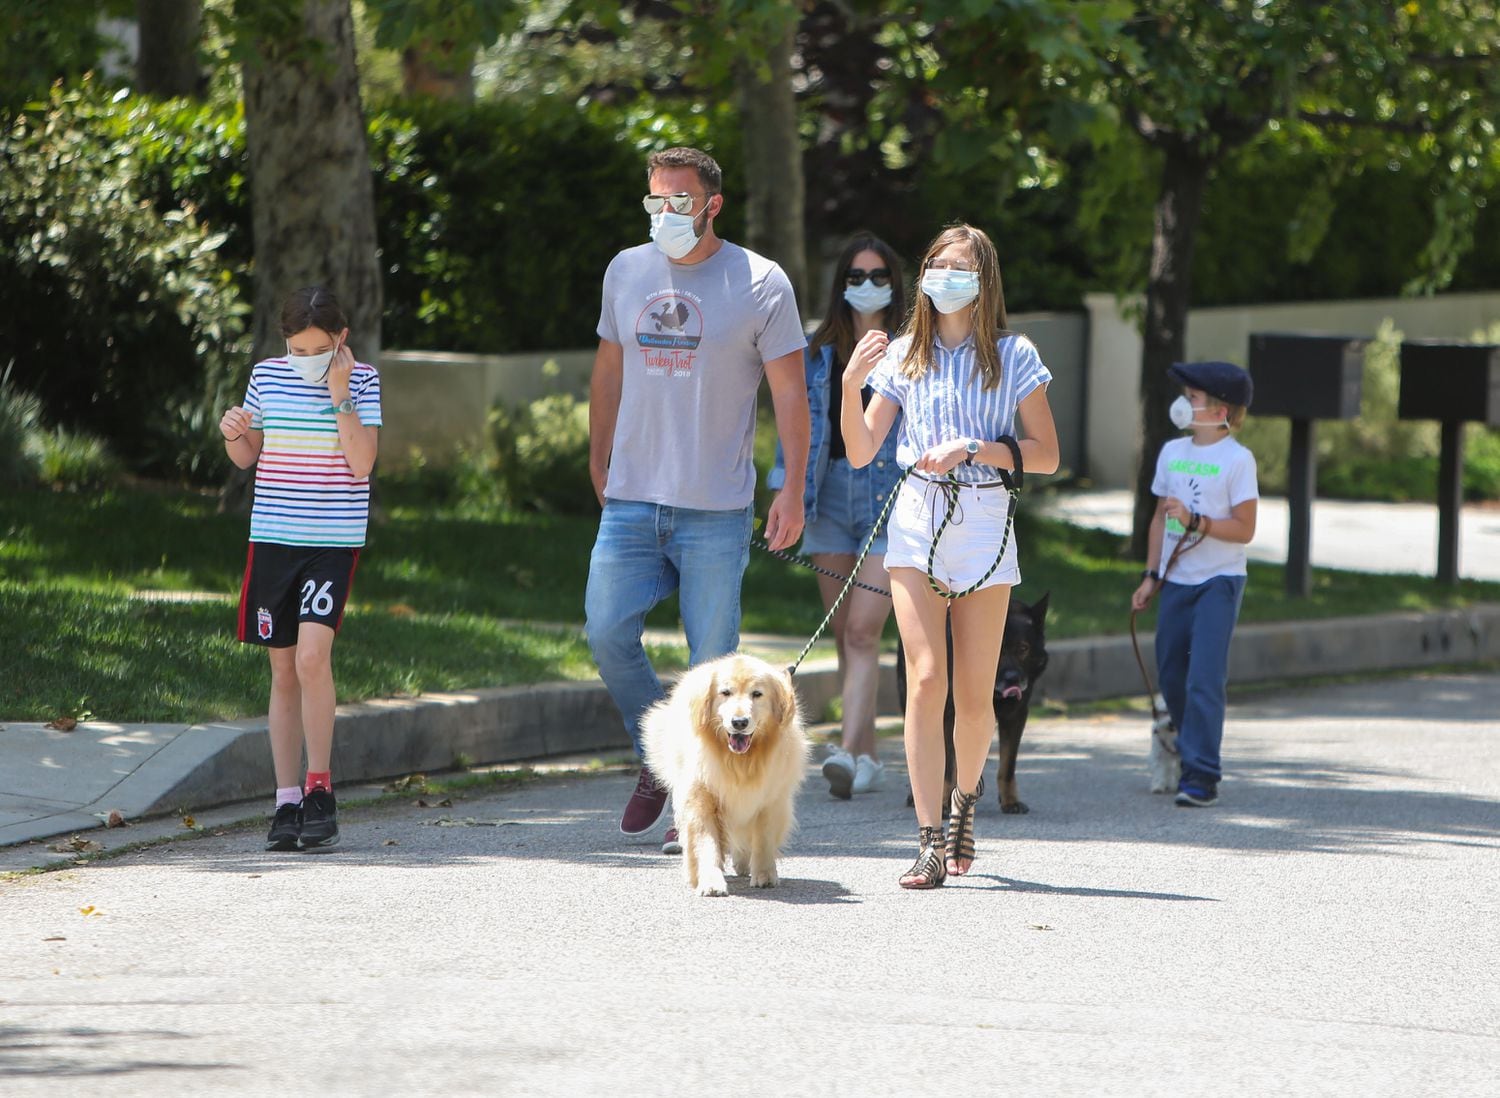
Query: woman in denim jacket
{"points": [[842, 503]]}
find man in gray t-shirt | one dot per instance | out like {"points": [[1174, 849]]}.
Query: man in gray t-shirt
{"points": [[688, 326]]}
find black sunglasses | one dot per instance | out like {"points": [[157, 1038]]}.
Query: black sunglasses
{"points": [[856, 276]]}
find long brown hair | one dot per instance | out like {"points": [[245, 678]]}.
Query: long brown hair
{"points": [[989, 309], [838, 319]]}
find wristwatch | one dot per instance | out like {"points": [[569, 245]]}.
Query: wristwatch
{"points": [[973, 449], [345, 407]]}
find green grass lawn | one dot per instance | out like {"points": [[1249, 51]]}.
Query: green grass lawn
{"points": [[445, 598]]}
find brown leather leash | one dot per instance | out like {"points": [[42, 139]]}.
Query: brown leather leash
{"points": [[1183, 545]]}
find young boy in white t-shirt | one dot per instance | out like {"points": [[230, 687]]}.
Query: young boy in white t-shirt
{"points": [[1205, 515]]}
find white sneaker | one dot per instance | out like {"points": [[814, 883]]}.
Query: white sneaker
{"points": [[838, 768], [869, 775]]}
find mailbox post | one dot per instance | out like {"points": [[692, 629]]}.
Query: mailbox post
{"points": [[1453, 383], [1306, 378]]}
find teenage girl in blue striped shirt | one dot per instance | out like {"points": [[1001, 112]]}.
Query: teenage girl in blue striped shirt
{"points": [[961, 381]]}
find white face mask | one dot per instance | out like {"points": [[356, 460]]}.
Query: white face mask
{"points": [[311, 368], [867, 297], [950, 290], [674, 233], [1184, 414]]}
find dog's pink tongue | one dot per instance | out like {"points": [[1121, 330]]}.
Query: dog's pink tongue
{"points": [[1011, 692], [739, 743]]}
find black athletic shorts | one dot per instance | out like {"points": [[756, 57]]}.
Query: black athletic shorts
{"points": [[288, 584]]}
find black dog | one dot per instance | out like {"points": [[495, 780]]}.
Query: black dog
{"points": [[1023, 658]]}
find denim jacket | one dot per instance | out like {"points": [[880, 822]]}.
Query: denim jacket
{"points": [[878, 477]]}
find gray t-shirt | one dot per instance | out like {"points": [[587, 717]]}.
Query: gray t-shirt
{"points": [[696, 340]]}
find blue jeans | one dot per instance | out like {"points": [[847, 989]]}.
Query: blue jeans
{"points": [[643, 553], [1193, 627]]}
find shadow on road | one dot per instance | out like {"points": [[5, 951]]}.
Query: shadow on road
{"points": [[79, 1052]]}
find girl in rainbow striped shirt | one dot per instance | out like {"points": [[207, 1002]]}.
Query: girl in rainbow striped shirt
{"points": [[310, 426]]}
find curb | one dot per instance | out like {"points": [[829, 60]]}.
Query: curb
{"points": [[194, 767]]}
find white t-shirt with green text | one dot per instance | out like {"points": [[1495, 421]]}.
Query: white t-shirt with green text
{"points": [[1211, 480]]}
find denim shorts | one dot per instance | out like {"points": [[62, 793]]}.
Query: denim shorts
{"points": [[969, 542], [846, 511]]}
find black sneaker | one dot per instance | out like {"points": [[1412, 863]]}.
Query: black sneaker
{"points": [[286, 828], [320, 821], [1196, 796]]}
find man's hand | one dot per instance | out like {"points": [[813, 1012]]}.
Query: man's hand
{"points": [[944, 456], [784, 519], [599, 475]]}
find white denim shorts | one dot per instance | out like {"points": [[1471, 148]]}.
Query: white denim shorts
{"points": [[969, 542]]}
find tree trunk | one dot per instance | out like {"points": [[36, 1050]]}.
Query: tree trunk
{"points": [[438, 70], [1168, 293], [312, 196], [773, 158], [166, 63]]}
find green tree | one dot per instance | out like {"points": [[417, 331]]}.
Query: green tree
{"points": [[167, 60], [1195, 81]]}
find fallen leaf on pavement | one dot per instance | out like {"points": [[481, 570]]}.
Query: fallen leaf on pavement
{"points": [[446, 802], [90, 910], [62, 724], [55, 938], [1037, 926], [189, 823], [419, 803], [76, 844], [116, 819], [390, 842]]}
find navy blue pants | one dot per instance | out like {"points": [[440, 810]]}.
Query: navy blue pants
{"points": [[1193, 626]]}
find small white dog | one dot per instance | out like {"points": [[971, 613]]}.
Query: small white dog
{"points": [[1164, 763], [728, 742]]}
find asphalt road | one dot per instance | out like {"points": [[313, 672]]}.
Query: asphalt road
{"points": [[1330, 928]]}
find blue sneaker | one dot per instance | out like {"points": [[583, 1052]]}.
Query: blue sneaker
{"points": [[1195, 796]]}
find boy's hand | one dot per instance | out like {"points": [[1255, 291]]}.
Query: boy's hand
{"points": [[1174, 508], [234, 424], [1143, 594]]}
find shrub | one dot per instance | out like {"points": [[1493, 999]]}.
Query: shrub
{"points": [[20, 418], [119, 316], [65, 459], [542, 456]]}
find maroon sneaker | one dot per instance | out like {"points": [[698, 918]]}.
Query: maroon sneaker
{"points": [[670, 843], [646, 807]]}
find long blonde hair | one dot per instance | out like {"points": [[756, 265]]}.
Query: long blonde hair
{"points": [[989, 308]]}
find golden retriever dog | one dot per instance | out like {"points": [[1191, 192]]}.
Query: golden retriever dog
{"points": [[728, 742]]}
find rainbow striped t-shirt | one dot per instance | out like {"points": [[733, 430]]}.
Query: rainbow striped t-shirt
{"points": [[305, 492]]}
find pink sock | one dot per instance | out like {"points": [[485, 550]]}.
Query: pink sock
{"points": [[288, 794], [316, 778]]}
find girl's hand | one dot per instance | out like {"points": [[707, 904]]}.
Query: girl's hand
{"points": [[1143, 594], [234, 424], [338, 372], [866, 356], [944, 456]]}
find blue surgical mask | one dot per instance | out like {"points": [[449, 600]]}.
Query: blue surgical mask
{"points": [[674, 233], [310, 368], [950, 290], [867, 298]]}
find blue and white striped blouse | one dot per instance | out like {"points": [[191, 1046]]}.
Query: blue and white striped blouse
{"points": [[949, 401]]}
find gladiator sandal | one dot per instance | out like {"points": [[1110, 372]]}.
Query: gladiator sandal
{"points": [[961, 824], [928, 871]]}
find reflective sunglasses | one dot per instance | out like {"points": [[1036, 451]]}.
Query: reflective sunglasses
{"points": [[681, 203], [856, 276]]}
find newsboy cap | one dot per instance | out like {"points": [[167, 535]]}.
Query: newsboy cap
{"points": [[1221, 380]]}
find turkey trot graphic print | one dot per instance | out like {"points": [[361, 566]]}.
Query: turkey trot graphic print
{"points": [[668, 332]]}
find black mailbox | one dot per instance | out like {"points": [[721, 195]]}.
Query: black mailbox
{"points": [[1307, 376], [1453, 383], [1450, 381]]}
